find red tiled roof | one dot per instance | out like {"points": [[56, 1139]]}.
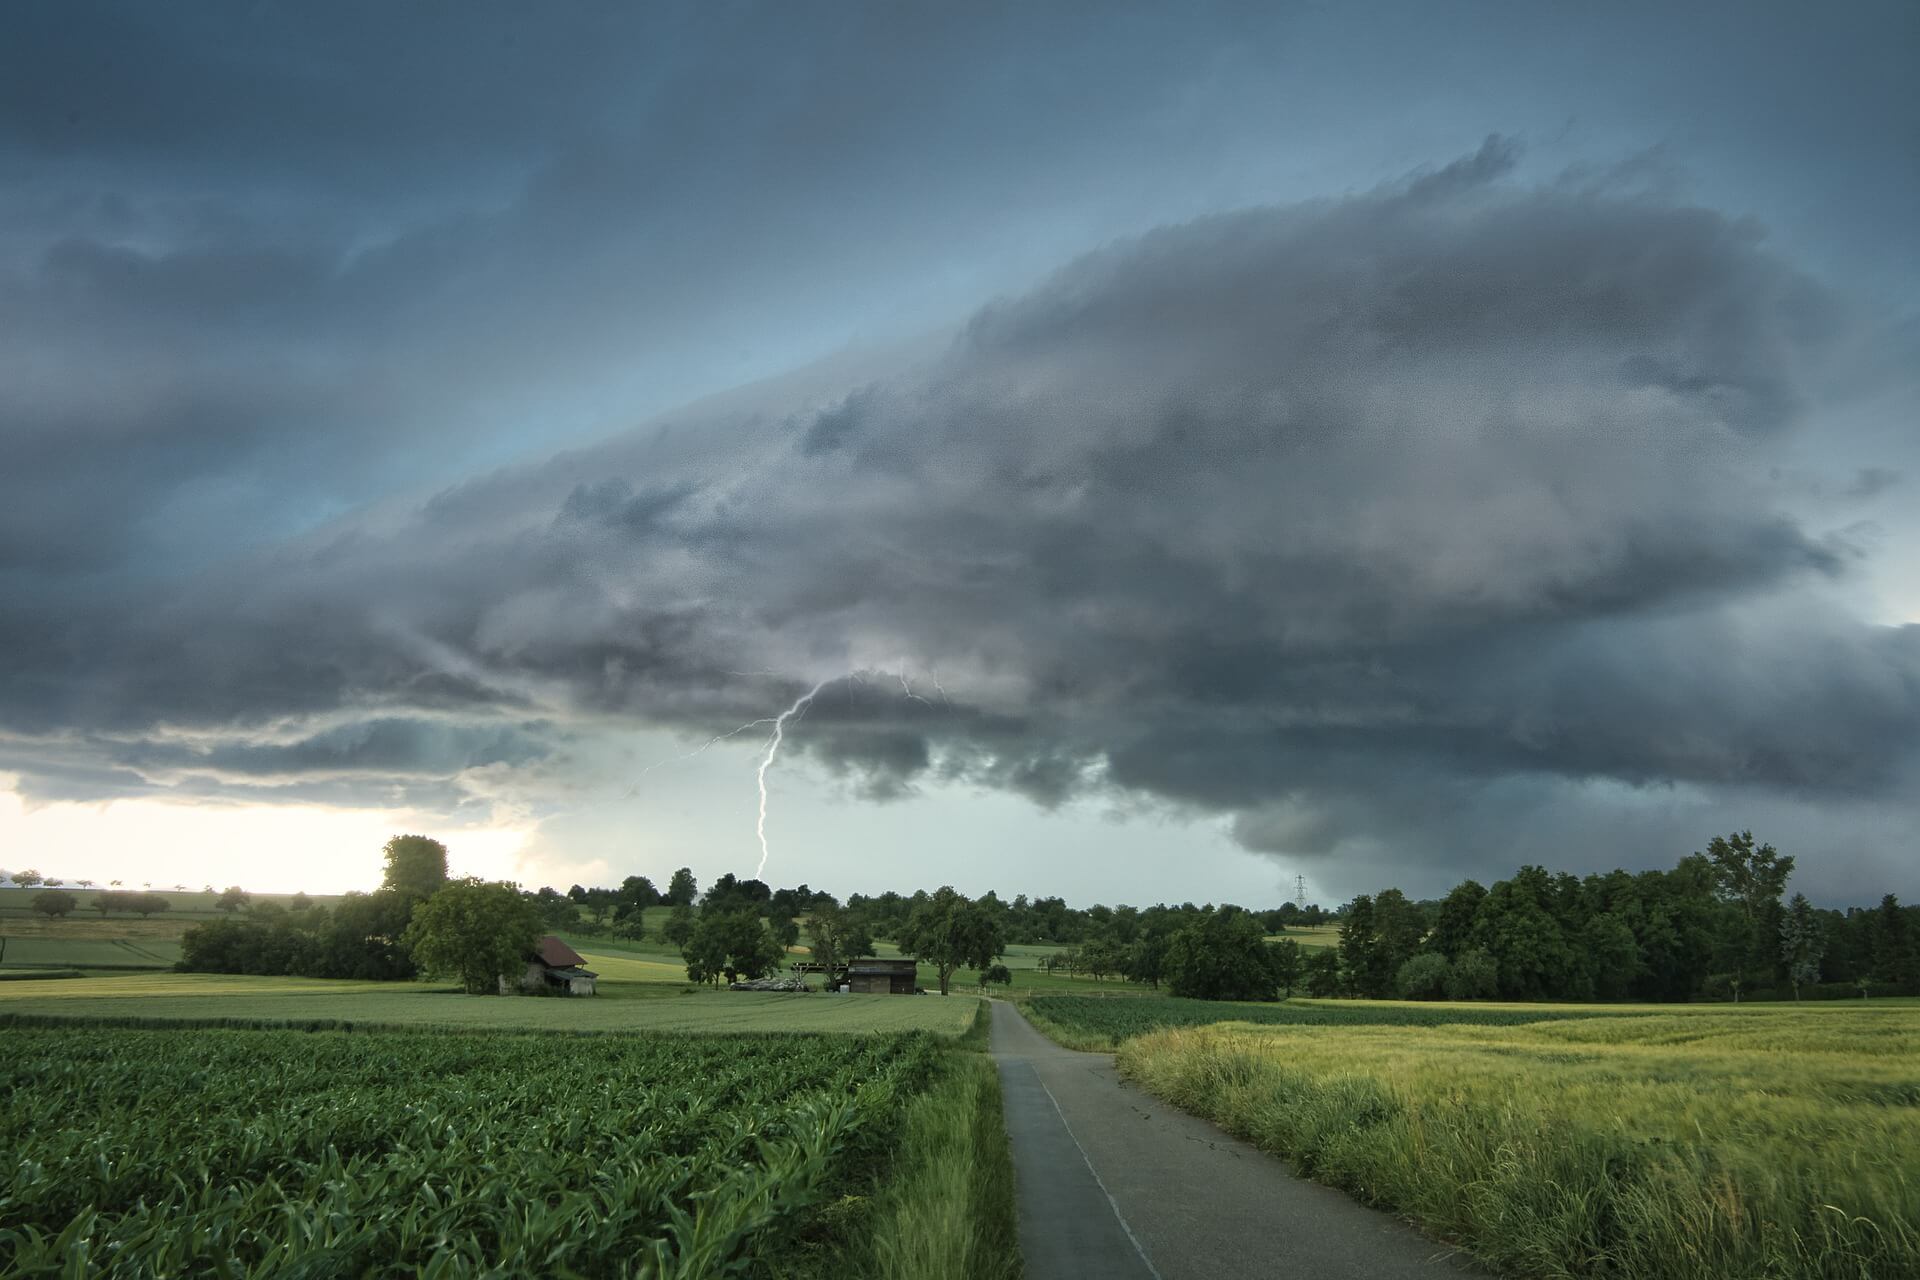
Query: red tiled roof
{"points": [[557, 954]]}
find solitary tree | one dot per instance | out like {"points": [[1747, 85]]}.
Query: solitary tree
{"points": [[949, 931], [233, 898], [996, 973], [54, 902], [683, 888], [416, 866], [474, 929], [145, 904], [26, 879]]}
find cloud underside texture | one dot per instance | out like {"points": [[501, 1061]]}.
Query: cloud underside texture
{"points": [[1331, 518]]}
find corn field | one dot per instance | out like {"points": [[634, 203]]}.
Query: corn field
{"points": [[266, 1153]]}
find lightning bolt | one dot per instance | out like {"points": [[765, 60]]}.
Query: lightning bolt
{"points": [[908, 688], [778, 736], [799, 707]]}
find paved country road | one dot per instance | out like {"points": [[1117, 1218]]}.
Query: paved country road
{"points": [[1112, 1183]]}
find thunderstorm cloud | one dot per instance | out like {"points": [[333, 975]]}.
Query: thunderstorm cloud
{"points": [[1462, 510]]}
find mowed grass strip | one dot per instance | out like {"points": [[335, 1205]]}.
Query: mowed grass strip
{"points": [[208, 999], [1779, 1142]]}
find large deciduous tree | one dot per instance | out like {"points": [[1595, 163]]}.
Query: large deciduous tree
{"points": [[836, 935], [416, 866], [53, 903], [950, 931], [476, 930], [731, 944], [683, 888], [1750, 879], [1222, 956]]}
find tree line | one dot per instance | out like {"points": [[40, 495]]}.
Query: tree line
{"points": [[362, 935], [1715, 926]]}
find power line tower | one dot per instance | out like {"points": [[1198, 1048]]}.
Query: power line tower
{"points": [[1300, 892]]}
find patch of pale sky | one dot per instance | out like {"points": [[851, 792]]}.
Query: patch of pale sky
{"points": [[264, 848]]}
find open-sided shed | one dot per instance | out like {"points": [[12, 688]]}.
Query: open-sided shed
{"points": [[882, 976]]}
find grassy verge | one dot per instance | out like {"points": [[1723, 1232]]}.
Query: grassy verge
{"points": [[1684, 1147], [947, 1209]]}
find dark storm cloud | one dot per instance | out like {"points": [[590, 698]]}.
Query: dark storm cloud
{"points": [[1340, 518], [262, 264]]}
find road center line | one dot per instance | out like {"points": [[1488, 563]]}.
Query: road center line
{"points": [[1111, 1202]]}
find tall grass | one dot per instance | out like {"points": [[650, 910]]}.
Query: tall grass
{"points": [[947, 1212], [1688, 1147]]}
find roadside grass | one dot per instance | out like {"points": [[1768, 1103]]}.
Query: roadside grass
{"points": [[1773, 1141], [193, 999], [946, 1210]]}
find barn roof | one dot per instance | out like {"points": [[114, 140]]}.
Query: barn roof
{"points": [[557, 954], [871, 964]]}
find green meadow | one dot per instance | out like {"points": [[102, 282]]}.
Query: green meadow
{"points": [[196, 999]]}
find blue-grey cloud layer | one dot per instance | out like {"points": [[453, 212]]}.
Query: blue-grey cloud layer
{"points": [[1337, 516]]}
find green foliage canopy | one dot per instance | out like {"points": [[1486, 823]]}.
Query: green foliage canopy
{"points": [[416, 866], [948, 931], [477, 930]]}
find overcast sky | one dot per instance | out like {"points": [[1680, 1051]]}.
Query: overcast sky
{"points": [[1177, 447]]}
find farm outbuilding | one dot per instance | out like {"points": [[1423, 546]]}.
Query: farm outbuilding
{"points": [[882, 977], [554, 966]]}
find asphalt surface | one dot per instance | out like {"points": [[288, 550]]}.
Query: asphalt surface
{"points": [[1112, 1183]]}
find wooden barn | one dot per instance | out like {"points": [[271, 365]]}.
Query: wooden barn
{"points": [[881, 977], [556, 967]]}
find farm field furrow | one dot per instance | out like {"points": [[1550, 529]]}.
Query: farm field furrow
{"points": [[279, 1153], [1771, 1141]]}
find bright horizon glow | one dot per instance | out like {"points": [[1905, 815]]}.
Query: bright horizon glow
{"points": [[262, 848]]}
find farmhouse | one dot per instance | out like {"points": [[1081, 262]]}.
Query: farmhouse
{"points": [[553, 966], [881, 977]]}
